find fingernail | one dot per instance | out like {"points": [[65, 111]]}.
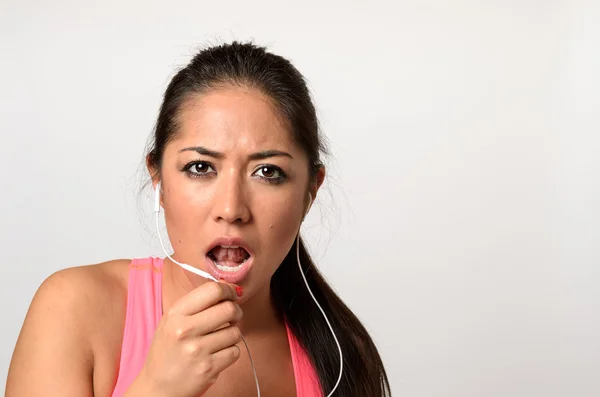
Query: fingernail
{"points": [[239, 291]]}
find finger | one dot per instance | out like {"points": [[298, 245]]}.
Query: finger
{"points": [[222, 339], [225, 357], [215, 317], [203, 297]]}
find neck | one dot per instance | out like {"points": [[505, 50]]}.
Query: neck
{"points": [[260, 315]]}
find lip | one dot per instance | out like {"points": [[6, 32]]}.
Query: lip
{"points": [[233, 278], [229, 277]]}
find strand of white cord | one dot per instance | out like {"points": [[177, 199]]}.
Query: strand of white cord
{"points": [[324, 316]]}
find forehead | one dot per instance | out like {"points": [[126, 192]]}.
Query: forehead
{"points": [[233, 118]]}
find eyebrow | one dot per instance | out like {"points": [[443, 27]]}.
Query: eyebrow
{"points": [[264, 154]]}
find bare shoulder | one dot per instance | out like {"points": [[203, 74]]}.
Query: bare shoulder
{"points": [[106, 274], [83, 292], [61, 329]]}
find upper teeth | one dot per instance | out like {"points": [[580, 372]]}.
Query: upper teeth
{"points": [[230, 246]]}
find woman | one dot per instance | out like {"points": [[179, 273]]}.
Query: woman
{"points": [[236, 161]]}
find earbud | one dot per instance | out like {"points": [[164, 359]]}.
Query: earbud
{"points": [[157, 198], [310, 199]]}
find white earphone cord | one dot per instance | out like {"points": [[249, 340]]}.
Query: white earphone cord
{"points": [[210, 277], [324, 316]]}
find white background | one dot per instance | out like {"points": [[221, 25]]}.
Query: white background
{"points": [[462, 220]]}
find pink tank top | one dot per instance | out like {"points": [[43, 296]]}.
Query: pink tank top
{"points": [[144, 310]]}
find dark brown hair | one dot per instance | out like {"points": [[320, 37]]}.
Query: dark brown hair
{"points": [[248, 65]]}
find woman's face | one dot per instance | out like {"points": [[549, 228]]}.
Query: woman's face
{"points": [[235, 187]]}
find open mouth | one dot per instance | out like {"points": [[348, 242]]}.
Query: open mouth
{"points": [[228, 258]]}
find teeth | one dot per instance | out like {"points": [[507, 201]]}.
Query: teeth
{"points": [[230, 246], [228, 268]]}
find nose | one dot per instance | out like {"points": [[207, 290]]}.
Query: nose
{"points": [[229, 202]]}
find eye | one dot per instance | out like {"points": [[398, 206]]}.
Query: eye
{"points": [[270, 173], [198, 169]]}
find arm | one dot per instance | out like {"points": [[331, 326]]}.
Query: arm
{"points": [[53, 355]]}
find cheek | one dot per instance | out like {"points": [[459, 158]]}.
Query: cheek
{"points": [[279, 230], [182, 215]]}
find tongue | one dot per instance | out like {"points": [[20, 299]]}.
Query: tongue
{"points": [[229, 256]]}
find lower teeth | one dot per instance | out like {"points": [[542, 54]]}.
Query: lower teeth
{"points": [[230, 269]]}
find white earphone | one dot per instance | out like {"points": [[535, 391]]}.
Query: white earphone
{"points": [[310, 199], [157, 197], [210, 277]]}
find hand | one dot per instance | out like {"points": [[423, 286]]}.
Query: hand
{"points": [[195, 340]]}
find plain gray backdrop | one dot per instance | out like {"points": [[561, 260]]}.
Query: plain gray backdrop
{"points": [[461, 220]]}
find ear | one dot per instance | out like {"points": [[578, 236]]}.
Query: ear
{"points": [[152, 170], [156, 183], [319, 178], [313, 189]]}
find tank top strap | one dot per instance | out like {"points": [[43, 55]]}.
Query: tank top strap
{"points": [[307, 380], [144, 311]]}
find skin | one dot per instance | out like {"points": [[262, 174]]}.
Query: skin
{"points": [[71, 338]]}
